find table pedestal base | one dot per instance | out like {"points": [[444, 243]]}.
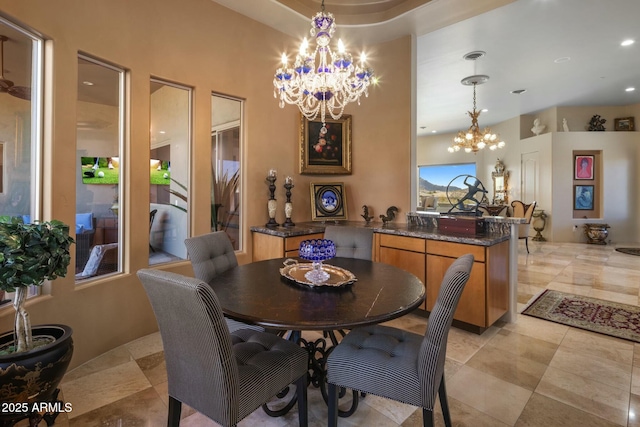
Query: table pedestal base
{"points": [[318, 351]]}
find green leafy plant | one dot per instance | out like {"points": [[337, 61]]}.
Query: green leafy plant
{"points": [[179, 195], [29, 255], [223, 187]]}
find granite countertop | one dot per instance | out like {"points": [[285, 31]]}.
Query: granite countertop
{"points": [[399, 229]]}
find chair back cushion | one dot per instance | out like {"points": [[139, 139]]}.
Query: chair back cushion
{"points": [[428, 203], [351, 242], [211, 254], [522, 210], [434, 345], [201, 366]]}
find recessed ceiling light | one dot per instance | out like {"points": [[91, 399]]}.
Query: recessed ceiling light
{"points": [[518, 91], [562, 59], [630, 89], [434, 131], [627, 42], [162, 132], [87, 83], [484, 110], [423, 127], [472, 56]]}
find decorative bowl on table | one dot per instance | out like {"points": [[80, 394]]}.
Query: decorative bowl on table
{"points": [[316, 251]]}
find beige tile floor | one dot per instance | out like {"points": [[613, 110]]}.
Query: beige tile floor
{"points": [[528, 373]]}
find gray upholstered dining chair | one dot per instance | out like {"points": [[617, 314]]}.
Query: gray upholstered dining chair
{"points": [[221, 375], [210, 255], [351, 242], [398, 364]]}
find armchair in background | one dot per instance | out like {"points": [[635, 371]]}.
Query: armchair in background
{"points": [[522, 210], [85, 232], [427, 203]]}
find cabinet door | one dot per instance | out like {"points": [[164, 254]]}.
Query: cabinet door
{"points": [[471, 308], [413, 262], [267, 247]]}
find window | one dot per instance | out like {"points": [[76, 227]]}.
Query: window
{"points": [[20, 125], [226, 137], [434, 179], [170, 137], [100, 142]]}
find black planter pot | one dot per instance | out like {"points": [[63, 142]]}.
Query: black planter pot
{"points": [[31, 378]]}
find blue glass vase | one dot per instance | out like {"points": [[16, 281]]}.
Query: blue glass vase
{"points": [[316, 251]]}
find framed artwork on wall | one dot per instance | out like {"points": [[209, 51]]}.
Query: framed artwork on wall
{"points": [[325, 149], [583, 167], [625, 123], [583, 197], [328, 201]]}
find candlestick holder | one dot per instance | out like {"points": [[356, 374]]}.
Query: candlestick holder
{"points": [[271, 203], [288, 206]]}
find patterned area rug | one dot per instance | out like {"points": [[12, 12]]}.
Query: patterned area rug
{"points": [[609, 318], [629, 251]]}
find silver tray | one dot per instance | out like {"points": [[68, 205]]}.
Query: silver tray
{"points": [[295, 271]]}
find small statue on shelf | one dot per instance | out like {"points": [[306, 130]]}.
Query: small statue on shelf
{"points": [[597, 123], [538, 127], [391, 214], [365, 214]]}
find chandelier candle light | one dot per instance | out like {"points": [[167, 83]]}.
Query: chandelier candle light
{"points": [[473, 139], [322, 81]]}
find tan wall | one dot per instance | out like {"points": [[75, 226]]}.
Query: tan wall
{"points": [[210, 48]]}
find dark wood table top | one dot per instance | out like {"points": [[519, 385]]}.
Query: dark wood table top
{"points": [[257, 293]]}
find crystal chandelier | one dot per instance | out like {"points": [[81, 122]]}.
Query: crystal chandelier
{"points": [[473, 139], [322, 81]]}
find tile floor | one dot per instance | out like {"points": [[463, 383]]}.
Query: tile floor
{"points": [[528, 373]]}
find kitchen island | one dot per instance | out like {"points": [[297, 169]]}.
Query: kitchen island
{"points": [[427, 251]]}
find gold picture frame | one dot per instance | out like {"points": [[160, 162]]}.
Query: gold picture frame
{"points": [[625, 124], [328, 201], [325, 150]]}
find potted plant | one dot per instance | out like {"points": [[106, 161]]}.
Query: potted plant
{"points": [[32, 360]]}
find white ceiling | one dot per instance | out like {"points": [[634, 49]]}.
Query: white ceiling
{"points": [[521, 40]]}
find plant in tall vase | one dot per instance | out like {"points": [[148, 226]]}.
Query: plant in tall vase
{"points": [[33, 360], [29, 255]]}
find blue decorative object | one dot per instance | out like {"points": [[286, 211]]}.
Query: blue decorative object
{"points": [[316, 251]]}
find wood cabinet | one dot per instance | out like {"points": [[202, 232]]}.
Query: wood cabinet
{"points": [[486, 295], [266, 246], [407, 253]]}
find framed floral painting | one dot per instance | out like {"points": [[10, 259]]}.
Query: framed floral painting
{"points": [[325, 149]]}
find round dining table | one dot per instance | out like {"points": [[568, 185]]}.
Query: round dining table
{"points": [[257, 293]]}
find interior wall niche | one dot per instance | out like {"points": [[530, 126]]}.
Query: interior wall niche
{"points": [[587, 194]]}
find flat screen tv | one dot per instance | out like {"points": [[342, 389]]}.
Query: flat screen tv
{"points": [[106, 170], [100, 170]]}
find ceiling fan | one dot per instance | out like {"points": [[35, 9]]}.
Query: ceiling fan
{"points": [[7, 86]]}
